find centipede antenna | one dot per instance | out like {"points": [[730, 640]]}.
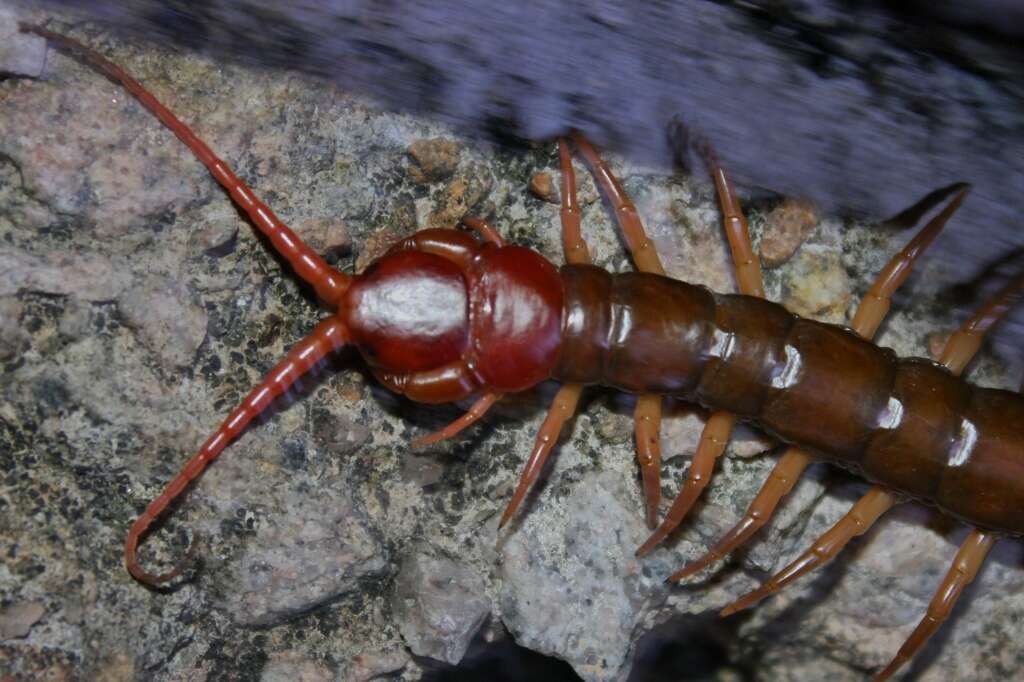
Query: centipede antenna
{"points": [[326, 337], [328, 283]]}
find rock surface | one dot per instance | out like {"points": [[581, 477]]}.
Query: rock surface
{"points": [[310, 521], [440, 605]]}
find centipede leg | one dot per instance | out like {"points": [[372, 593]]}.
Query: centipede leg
{"points": [[857, 521], [568, 396], [713, 440], [966, 565], [327, 337], [870, 313], [640, 246], [782, 479], [875, 304], [966, 341], [562, 409], [718, 428], [472, 415], [328, 283], [486, 230], [647, 415]]}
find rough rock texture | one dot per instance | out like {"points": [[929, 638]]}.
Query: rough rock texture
{"points": [[440, 604], [307, 521]]}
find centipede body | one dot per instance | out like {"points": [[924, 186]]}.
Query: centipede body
{"points": [[593, 226]]}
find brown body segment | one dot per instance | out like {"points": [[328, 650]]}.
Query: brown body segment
{"points": [[908, 424]]}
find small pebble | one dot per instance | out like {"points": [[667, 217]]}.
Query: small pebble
{"points": [[787, 226], [327, 236], [543, 187], [435, 159]]}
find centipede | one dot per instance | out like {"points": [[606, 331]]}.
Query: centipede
{"points": [[447, 316]]}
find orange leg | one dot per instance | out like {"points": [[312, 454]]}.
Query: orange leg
{"points": [[782, 479], [486, 230], [869, 315], [327, 337], [563, 407], [959, 351], [640, 246], [328, 283], [478, 410], [875, 304], [748, 267], [647, 416], [561, 410], [719, 425], [713, 440], [966, 341], [965, 567], [856, 522], [646, 429]]}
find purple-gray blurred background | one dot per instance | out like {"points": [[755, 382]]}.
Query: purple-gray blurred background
{"points": [[863, 109]]}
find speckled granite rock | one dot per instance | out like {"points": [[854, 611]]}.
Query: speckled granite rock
{"points": [[306, 519]]}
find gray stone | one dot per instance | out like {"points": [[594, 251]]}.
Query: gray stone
{"points": [[439, 604], [313, 551], [571, 586], [169, 320], [371, 665]]}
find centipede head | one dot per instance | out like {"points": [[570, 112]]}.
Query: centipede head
{"points": [[408, 312], [445, 308]]}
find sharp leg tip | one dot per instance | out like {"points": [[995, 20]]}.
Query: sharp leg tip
{"points": [[686, 572], [650, 543], [888, 671], [505, 518]]}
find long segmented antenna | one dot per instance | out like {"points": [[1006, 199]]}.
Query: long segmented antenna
{"points": [[328, 283], [327, 337]]}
